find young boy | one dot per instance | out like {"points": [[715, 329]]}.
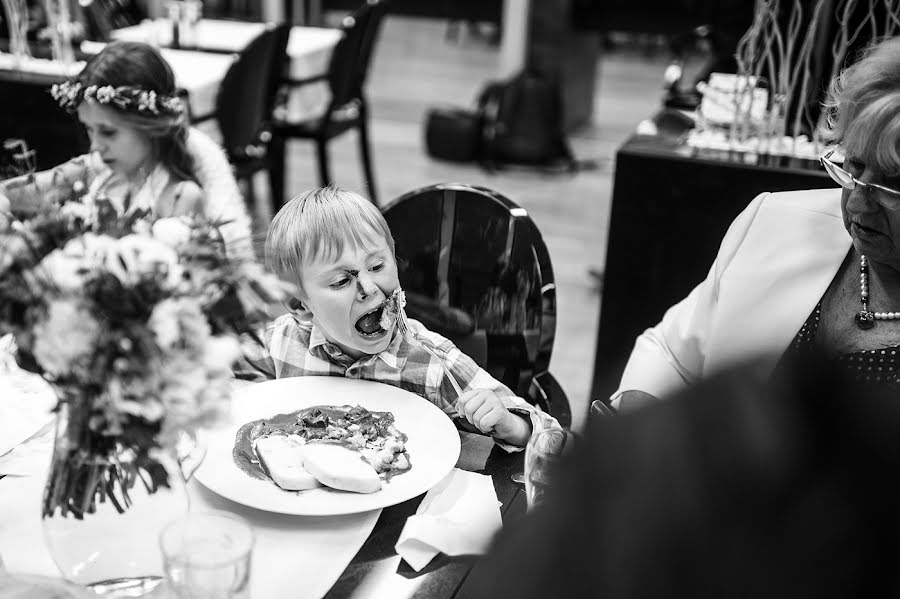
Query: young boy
{"points": [[338, 248]]}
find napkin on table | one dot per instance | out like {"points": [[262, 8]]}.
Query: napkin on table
{"points": [[459, 516], [26, 400]]}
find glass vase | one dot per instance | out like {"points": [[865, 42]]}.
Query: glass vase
{"points": [[17, 23], [105, 501]]}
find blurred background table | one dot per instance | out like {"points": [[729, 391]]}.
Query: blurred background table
{"points": [[671, 206], [309, 50], [27, 110]]}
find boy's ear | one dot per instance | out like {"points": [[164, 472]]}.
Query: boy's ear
{"points": [[296, 307]]}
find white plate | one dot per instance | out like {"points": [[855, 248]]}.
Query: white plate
{"points": [[433, 445]]}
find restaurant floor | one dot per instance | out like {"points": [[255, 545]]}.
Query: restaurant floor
{"points": [[416, 68]]}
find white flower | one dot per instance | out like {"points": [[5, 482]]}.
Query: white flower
{"points": [[137, 255], [220, 353], [94, 249], [66, 270], [150, 409], [76, 210], [66, 339], [173, 232], [179, 322]]}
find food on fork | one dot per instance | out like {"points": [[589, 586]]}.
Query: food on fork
{"points": [[340, 468], [282, 457], [390, 312]]}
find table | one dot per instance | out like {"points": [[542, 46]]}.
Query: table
{"points": [[375, 571], [671, 206], [309, 50], [27, 111]]}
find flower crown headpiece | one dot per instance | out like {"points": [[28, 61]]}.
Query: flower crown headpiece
{"points": [[69, 94]]}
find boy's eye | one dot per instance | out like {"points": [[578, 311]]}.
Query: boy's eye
{"points": [[107, 132], [340, 283], [378, 267]]}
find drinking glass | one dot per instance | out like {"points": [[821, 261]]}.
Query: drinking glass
{"points": [[543, 454], [206, 555]]}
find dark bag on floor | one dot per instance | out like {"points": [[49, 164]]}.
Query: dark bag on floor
{"points": [[522, 123], [453, 134]]}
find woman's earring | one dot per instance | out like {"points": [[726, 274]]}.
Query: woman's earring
{"points": [[295, 304]]}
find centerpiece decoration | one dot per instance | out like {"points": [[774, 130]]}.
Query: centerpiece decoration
{"points": [[785, 62], [16, 12], [134, 320]]}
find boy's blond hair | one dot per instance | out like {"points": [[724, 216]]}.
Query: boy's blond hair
{"points": [[318, 224]]}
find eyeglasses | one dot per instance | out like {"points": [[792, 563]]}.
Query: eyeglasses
{"points": [[887, 197]]}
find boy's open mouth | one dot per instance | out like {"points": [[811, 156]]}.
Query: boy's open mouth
{"points": [[369, 324]]}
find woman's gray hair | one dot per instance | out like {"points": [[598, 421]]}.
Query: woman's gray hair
{"points": [[863, 107]]}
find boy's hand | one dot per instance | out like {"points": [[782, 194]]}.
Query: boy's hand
{"points": [[484, 409]]}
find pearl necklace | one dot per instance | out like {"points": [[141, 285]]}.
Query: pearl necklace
{"points": [[865, 319]]}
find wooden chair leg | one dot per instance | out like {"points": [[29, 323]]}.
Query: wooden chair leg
{"points": [[277, 156], [322, 149], [366, 156]]}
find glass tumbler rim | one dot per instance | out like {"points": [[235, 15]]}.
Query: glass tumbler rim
{"points": [[244, 528]]}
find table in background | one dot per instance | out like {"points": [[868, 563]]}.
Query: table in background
{"points": [[28, 111], [671, 206], [309, 51]]}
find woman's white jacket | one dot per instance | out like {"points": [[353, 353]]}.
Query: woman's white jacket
{"points": [[773, 266]]}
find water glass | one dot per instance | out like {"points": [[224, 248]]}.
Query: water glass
{"points": [[543, 454], [189, 15], [206, 555]]}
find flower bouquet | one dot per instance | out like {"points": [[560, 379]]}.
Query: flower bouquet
{"points": [[134, 320]]}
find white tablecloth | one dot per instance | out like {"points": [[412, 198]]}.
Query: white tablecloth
{"points": [[294, 556], [309, 50], [200, 73]]}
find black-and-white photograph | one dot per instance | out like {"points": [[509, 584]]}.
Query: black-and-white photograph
{"points": [[449, 299]]}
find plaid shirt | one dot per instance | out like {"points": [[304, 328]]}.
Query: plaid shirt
{"points": [[291, 347]]}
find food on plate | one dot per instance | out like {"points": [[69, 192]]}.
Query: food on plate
{"points": [[390, 311], [282, 457], [276, 448], [340, 468]]}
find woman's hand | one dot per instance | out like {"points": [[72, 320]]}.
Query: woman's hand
{"points": [[485, 410], [632, 400]]}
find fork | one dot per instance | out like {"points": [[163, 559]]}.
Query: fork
{"points": [[403, 325], [461, 422]]}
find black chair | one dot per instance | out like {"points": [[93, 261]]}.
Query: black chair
{"points": [[102, 17], [29, 112], [244, 106], [476, 270], [347, 108]]}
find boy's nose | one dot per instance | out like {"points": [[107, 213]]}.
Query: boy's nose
{"points": [[365, 286]]}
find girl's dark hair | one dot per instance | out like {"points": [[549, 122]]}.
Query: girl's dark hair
{"points": [[141, 66]]}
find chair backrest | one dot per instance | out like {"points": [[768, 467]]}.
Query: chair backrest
{"points": [[352, 54], [29, 112], [247, 94], [104, 16], [470, 249]]}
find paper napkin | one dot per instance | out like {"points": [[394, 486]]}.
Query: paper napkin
{"points": [[26, 404], [459, 516]]}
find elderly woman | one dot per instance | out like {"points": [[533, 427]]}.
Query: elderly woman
{"points": [[800, 270], [143, 152]]}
